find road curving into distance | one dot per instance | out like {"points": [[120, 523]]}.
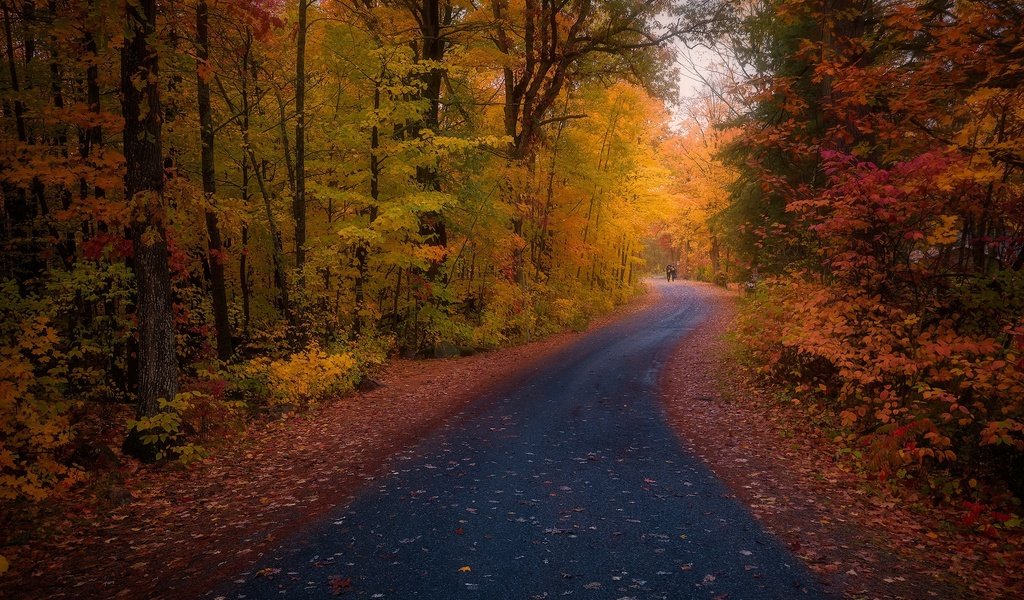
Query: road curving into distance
{"points": [[569, 484]]}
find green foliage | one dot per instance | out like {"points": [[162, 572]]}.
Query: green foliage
{"points": [[168, 430]]}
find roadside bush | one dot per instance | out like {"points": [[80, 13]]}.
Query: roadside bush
{"points": [[35, 425], [509, 316], [302, 379], [174, 430], [909, 390]]}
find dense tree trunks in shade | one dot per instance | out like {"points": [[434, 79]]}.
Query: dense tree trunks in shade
{"points": [[216, 255], [66, 244], [21, 247], [144, 184], [256, 167], [91, 138]]}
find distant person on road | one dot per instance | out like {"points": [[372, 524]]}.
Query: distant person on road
{"points": [[670, 272]]}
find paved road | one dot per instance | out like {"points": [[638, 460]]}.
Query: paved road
{"points": [[569, 484]]}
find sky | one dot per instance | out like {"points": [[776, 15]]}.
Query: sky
{"points": [[693, 69]]}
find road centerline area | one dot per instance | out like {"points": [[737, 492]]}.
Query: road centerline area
{"points": [[570, 483]]}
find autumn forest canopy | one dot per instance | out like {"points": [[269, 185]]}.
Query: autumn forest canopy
{"points": [[220, 210]]}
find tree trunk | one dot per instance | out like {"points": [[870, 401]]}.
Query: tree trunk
{"points": [[715, 260], [544, 253], [144, 184], [215, 255], [92, 137], [362, 251], [66, 245], [299, 200], [431, 224]]}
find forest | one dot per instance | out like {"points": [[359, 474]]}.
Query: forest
{"points": [[214, 208], [224, 211], [877, 192]]}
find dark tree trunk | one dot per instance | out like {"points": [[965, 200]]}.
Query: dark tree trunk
{"points": [[66, 245], [362, 251], [206, 131], [144, 184], [243, 260], [431, 224], [92, 137], [299, 200], [243, 264], [715, 259]]}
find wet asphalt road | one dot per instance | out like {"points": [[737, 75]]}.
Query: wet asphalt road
{"points": [[568, 484]]}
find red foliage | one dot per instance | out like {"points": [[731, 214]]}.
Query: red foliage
{"points": [[107, 246]]}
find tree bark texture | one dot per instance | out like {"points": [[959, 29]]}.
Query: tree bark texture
{"points": [[144, 185]]}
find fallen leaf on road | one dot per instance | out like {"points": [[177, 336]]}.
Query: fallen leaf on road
{"points": [[339, 584]]}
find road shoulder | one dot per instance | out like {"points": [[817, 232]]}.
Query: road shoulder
{"points": [[860, 545]]}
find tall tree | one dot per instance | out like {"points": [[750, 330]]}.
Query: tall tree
{"points": [[144, 189], [431, 20], [557, 38], [299, 200], [215, 255]]}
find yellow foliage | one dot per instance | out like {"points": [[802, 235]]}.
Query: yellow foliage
{"points": [[306, 377], [34, 423], [946, 231]]}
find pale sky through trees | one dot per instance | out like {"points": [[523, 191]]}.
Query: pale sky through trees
{"points": [[695, 68]]}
